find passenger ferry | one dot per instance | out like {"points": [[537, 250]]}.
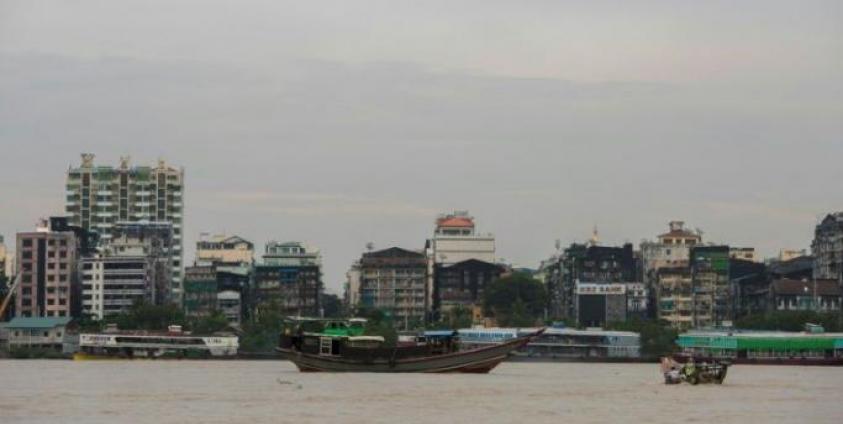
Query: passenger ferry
{"points": [[559, 343], [144, 344], [812, 347]]}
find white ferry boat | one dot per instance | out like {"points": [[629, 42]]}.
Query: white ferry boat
{"points": [[144, 344]]}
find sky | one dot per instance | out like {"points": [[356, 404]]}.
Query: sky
{"points": [[339, 123]]}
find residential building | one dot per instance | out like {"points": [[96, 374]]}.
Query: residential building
{"points": [[748, 279], [394, 280], [200, 290], [712, 291], [224, 250], [289, 278], [99, 197], [156, 243], [48, 262], [827, 248], [805, 295], [3, 260], [37, 332], [638, 300], [351, 295], [671, 249], [675, 296], [462, 284]]}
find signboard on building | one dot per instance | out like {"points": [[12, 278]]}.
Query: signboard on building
{"points": [[603, 289]]}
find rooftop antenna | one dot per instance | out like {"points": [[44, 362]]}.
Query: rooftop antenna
{"points": [[370, 246], [594, 237]]}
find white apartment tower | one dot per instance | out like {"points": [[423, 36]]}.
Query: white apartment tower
{"points": [[98, 197]]}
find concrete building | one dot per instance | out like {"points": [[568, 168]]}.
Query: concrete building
{"points": [[290, 277], [462, 284], [98, 197], [455, 240], [712, 291], [743, 253], [394, 280], [827, 248], [351, 295], [671, 249], [599, 304], [3, 260], [154, 242], [224, 250], [675, 296], [807, 295], [218, 288], [48, 263], [37, 332]]}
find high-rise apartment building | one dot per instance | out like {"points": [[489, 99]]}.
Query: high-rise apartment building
{"points": [[99, 197]]}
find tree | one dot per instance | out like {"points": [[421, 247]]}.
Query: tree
{"points": [[262, 331], [790, 321], [209, 324], [144, 316], [455, 318], [517, 300]]}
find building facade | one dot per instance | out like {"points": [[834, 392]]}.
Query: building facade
{"points": [[805, 295], [462, 284], [599, 304], [394, 280], [100, 197], [827, 248], [290, 278], [225, 250], [48, 264], [712, 291]]}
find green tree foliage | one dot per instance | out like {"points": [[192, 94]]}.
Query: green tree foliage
{"points": [[379, 323], [517, 300], [209, 324], [658, 338], [455, 318], [144, 316], [790, 321], [261, 333]]}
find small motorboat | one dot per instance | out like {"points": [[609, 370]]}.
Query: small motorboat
{"points": [[693, 372]]}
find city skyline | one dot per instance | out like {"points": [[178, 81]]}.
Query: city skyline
{"points": [[315, 123]]}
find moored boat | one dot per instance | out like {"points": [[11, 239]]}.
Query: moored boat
{"points": [[353, 352]]}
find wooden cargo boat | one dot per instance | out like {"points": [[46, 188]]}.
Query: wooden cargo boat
{"points": [[333, 351]]}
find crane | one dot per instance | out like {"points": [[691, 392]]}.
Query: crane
{"points": [[11, 292]]}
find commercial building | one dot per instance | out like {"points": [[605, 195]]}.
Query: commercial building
{"points": [[289, 278], [48, 263], [827, 248], [587, 264], [394, 280], [600, 304], [99, 197], [218, 288]]}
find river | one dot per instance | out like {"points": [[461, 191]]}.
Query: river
{"points": [[274, 392]]}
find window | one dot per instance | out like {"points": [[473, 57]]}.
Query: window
{"points": [[26, 243], [46, 334]]}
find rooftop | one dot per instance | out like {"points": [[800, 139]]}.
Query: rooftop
{"points": [[37, 322]]}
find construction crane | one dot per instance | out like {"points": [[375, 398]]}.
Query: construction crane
{"points": [[11, 292]]}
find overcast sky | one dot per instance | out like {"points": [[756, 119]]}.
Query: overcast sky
{"points": [[344, 122]]}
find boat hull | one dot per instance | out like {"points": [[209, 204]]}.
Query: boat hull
{"points": [[478, 361]]}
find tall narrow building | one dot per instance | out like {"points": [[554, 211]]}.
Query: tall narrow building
{"points": [[290, 278], [827, 248], [99, 197]]}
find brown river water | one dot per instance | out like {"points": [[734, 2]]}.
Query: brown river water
{"points": [[274, 392]]}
